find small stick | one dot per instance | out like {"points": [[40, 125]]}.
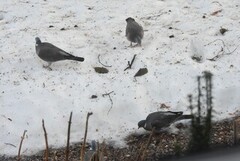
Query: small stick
{"points": [[46, 141], [10, 145], [216, 12], [20, 146], [220, 53], [102, 63], [108, 94], [68, 136], [85, 137], [223, 53], [215, 41], [130, 64]]}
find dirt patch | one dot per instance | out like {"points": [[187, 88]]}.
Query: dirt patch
{"points": [[163, 145]]}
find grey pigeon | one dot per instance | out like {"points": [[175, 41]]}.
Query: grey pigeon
{"points": [[161, 119], [50, 53], [134, 32]]}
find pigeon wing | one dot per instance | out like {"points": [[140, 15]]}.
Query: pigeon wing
{"points": [[160, 119], [55, 48], [51, 53]]}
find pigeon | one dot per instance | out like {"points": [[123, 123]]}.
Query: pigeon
{"points": [[161, 119], [50, 53], [134, 32]]}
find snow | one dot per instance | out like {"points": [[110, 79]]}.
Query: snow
{"points": [[30, 93]]}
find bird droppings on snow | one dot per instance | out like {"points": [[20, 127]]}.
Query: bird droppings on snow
{"points": [[52, 95]]}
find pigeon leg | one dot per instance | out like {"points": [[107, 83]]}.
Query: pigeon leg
{"points": [[136, 45], [130, 44], [47, 66]]}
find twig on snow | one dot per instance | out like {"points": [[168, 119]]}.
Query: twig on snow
{"points": [[222, 52], [102, 63], [10, 145], [109, 96], [215, 41], [20, 146], [216, 12], [130, 64], [46, 141]]}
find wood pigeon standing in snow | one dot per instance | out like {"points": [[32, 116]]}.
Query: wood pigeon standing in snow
{"points": [[50, 53], [134, 32], [161, 119]]}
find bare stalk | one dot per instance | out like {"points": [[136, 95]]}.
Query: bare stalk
{"points": [[130, 64], [68, 136], [85, 137], [20, 146], [46, 141]]}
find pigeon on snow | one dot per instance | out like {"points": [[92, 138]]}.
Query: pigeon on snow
{"points": [[50, 53], [134, 32], [161, 119]]}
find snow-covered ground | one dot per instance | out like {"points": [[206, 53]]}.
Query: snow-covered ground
{"points": [[30, 93]]}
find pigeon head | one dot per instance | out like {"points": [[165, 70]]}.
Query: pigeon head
{"points": [[141, 123], [130, 19], [38, 41]]}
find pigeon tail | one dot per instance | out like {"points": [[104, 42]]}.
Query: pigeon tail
{"points": [[71, 57]]}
